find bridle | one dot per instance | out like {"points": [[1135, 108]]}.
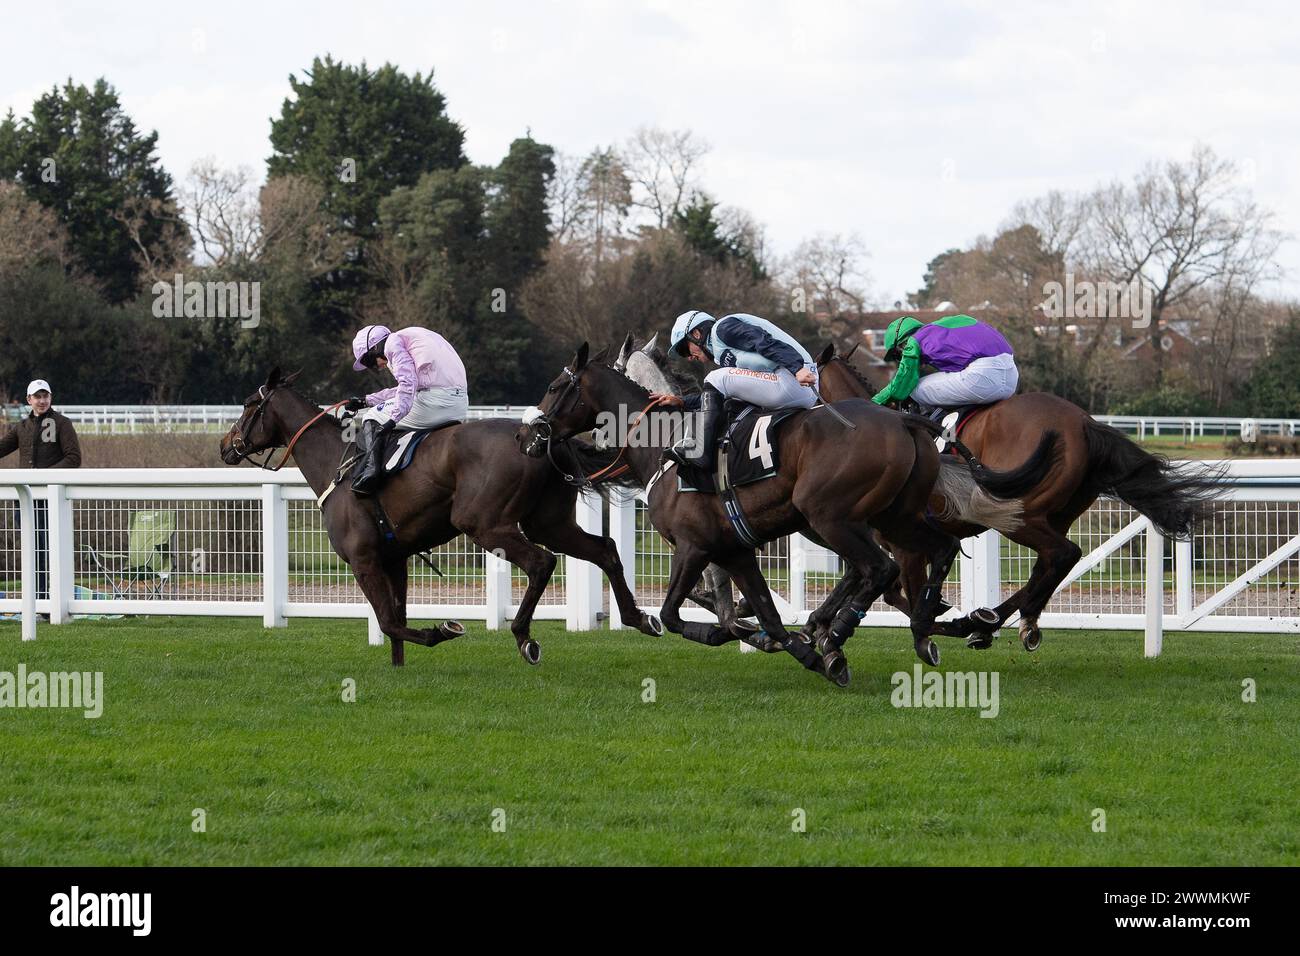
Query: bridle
{"points": [[541, 423], [240, 443]]}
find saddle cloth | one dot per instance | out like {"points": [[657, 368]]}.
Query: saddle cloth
{"points": [[750, 441], [400, 445], [954, 421]]}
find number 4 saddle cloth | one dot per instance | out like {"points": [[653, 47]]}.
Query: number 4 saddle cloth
{"points": [[749, 442]]}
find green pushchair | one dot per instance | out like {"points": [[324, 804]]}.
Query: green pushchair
{"points": [[146, 565]]}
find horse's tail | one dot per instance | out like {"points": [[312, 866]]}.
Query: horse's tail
{"points": [[978, 495], [964, 500], [1176, 497]]}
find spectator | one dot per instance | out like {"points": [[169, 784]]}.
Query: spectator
{"points": [[44, 439]]}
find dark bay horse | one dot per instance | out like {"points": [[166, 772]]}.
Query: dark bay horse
{"points": [[833, 483], [467, 478], [1094, 459]]}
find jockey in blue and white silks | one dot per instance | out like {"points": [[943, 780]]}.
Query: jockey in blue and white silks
{"points": [[759, 363]]}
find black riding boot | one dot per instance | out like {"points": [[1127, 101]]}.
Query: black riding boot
{"points": [[369, 446], [699, 448]]}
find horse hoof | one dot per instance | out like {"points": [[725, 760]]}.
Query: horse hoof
{"points": [[450, 630], [836, 668], [928, 651], [1031, 638], [531, 652], [652, 625], [980, 642], [985, 616]]}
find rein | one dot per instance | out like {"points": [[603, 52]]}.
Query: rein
{"points": [[288, 451], [609, 472]]}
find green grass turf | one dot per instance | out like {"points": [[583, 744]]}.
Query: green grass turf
{"points": [[250, 726]]}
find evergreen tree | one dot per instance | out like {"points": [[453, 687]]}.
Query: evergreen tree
{"points": [[81, 156]]}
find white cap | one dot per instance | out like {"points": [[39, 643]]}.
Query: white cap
{"points": [[37, 384]]}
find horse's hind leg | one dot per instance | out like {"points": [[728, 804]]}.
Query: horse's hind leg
{"points": [[1057, 555], [561, 533], [534, 561]]}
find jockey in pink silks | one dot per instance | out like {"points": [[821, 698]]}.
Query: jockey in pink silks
{"points": [[430, 391]]}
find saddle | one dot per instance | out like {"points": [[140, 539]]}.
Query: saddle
{"points": [[747, 449]]}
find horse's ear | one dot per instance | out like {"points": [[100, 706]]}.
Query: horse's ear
{"points": [[650, 346], [291, 378], [850, 352], [273, 379], [602, 355], [828, 353], [580, 358], [624, 352]]}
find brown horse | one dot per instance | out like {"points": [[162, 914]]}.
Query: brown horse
{"points": [[834, 482], [466, 478], [1094, 460]]}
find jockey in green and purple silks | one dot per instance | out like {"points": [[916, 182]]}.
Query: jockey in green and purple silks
{"points": [[975, 363]]}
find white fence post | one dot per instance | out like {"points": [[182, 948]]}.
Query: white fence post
{"points": [[1155, 593], [497, 587], [622, 529], [582, 578], [1184, 580], [275, 556], [981, 573], [27, 559], [799, 572], [62, 558]]}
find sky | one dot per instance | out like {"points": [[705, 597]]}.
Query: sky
{"points": [[916, 126]]}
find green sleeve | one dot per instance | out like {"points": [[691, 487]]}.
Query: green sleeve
{"points": [[905, 379]]}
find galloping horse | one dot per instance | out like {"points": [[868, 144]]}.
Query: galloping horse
{"points": [[466, 478], [1095, 459], [832, 483]]}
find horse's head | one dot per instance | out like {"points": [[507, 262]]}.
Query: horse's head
{"points": [[571, 403], [259, 427], [839, 379]]}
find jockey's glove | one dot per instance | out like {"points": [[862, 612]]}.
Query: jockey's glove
{"points": [[355, 404]]}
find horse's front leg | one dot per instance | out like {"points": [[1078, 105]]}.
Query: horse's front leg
{"points": [[379, 584], [743, 567], [688, 564]]}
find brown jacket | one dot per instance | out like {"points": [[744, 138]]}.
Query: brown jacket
{"points": [[40, 445]]}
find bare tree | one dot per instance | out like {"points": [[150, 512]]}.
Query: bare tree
{"points": [[1179, 228], [169, 249], [606, 195], [222, 211], [30, 233], [565, 197], [827, 277], [663, 166]]}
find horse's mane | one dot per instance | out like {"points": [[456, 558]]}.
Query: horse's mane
{"points": [[683, 382], [856, 372]]}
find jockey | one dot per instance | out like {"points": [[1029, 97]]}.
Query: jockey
{"points": [[430, 390], [760, 364], [975, 363]]}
